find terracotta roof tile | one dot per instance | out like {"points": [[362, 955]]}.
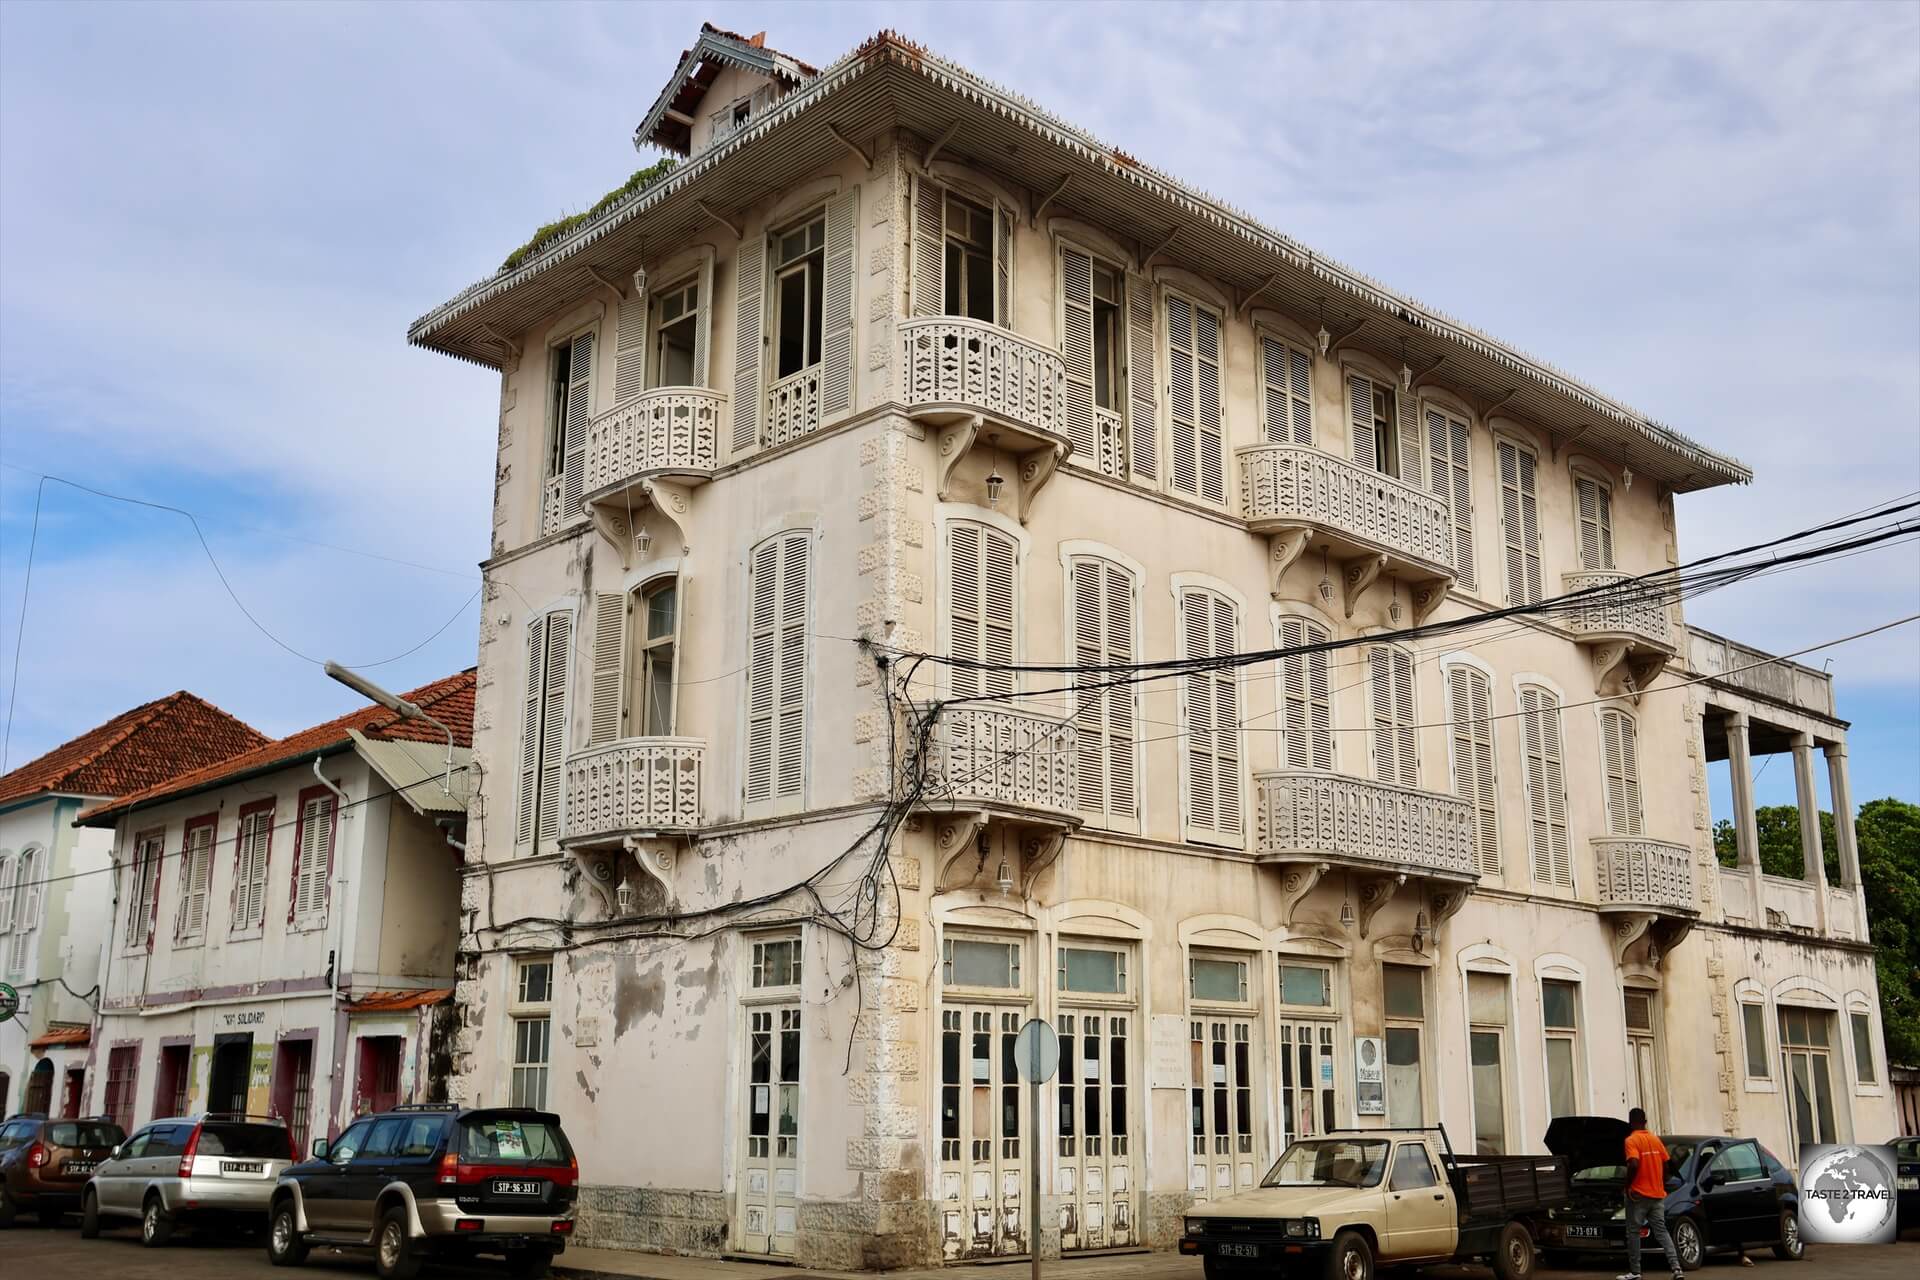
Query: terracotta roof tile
{"points": [[449, 699], [382, 1001], [60, 1035], [135, 750]]}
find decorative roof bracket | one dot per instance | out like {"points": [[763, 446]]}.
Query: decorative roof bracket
{"points": [[1427, 597], [1284, 547], [618, 292], [1036, 468], [1341, 338], [954, 838], [1420, 378], [939, 145], [1492, 407], [1246, 303], [1297, 880], [738, 229], [1375, 893], [1159, 248], [612, 525], [673, 500], [1359, 575], [850, 144], [955, 441], [656, 856], [506, 344], [1051, 197]]}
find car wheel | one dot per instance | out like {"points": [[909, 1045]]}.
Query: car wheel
{"points": [[89, 1216], [1513, 1253], [393, 1252], [1350, 1258], [156, 1226], [529, 1264], [1687, 1243], [1792, 1247], [285, 1248]]}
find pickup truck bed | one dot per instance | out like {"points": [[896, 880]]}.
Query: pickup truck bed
{"points": [[1497, 1189]]}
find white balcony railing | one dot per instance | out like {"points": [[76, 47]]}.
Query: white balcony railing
{"points": [[635, 784], [553, 504], [667, 429], [1292, 484], [1308, 814], [1634, 610], [793, 406], [1632, 871], [1002, 755], [974, 365], [1109, 445]]}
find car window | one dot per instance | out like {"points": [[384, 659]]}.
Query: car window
{"points": [[1737, 1163], [1774, 1167], [167, 1140], [1411, 1168], [84, 1133], [1907, 1148], [384, 1139], [254, 1141], [12, 1135], [503, 1139], [349, 1143], [419, 1137], [136, 1145]]}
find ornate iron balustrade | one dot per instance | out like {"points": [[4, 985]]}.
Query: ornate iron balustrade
{"points": [[971, 364], [635, 784], [793, 406], [1632, 871], [665, 430], [1298, 485], [1638, 612], [1306, 814], [1002, 755]]}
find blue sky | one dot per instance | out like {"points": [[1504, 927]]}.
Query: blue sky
{"points": [[216, 223]]}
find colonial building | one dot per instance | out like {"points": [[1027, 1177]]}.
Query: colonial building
{"points": [[893, 362], [55, 886], [282, 923]]}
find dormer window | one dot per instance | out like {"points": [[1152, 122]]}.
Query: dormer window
{"points": [[799, 262]]}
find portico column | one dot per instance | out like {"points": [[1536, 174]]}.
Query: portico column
{"points": [[1813, 859], [1845, 838], [1746, 827]]}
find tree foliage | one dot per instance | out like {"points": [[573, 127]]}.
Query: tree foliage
{"points": [[1779, 829], [640, 181]]}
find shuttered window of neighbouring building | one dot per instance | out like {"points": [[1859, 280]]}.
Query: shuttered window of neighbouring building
{"points": [[1620, 754], [982, 604], [314, 849], [1546, 787], [1450, 471], [1595, 503], [1395, 740], [1104, 596], [1470, 699], [1286, 387], [1306, 708], [1520, 522], [777, 668], [543, 741], [252, 857], [196, 875], [1193, 399], [1211, 719]]}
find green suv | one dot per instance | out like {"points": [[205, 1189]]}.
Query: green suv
{"points": [[432, 1180]]}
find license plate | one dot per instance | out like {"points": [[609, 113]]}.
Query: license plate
{"points": [[517, 1187], [1231, 1250], [242, 1166], [1585, 1233], [80, 1166], [1907, 1184]]}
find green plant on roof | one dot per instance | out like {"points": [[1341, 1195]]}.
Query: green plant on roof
{"points": [[640, 181]]}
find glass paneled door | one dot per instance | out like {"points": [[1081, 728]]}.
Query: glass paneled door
{"points": [[1643, 1062], [1306, 1079], [1226, 1156], [770, 1182], [1806, 1052], [1094, 1175], [983, 1109]]}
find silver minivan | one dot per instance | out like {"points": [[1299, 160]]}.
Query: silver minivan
{"points": [[202, 1170]]}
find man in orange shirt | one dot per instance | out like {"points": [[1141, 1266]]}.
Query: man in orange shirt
{"points": [[1646, 1159]]}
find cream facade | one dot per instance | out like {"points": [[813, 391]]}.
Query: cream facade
{"points": [[757, 896]]}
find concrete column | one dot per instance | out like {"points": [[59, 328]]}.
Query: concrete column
{"points": [[1746, 827], [1845, 838], [1813, 859]]}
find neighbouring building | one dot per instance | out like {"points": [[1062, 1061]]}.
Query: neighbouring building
{"points": [[55, 888], [283, 924], [894, 362]]}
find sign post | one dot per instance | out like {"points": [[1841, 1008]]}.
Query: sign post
{"points": [[1036, 1054]]}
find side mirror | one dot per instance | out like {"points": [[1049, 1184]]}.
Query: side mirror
{"points": [[320, 1148]]}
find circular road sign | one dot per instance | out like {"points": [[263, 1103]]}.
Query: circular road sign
{"points": [[9, 1002], [1036, 1051]]}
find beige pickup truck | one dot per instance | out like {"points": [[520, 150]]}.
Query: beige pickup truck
{"points": [[1342, 1205]]}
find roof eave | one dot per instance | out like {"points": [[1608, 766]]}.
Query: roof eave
{"points": [[110, 815]]}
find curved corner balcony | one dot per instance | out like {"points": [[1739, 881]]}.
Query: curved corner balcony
{"points": [[1622, 623], [635, 786], [1634, 873], [1373, 525], [986, 387], [1304, 814], [668, 433]]}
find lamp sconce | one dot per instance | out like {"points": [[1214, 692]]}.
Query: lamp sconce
{"points": [[642, 542], [1346, 914], [995, 482], [1003, 878], [1406, 370], [624, 897], [1626, 478], [1420, 933], [1326, 582], [1393, 608], [1324, 338]]}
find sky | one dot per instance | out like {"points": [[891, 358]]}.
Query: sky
{"points": [[216, 223]]}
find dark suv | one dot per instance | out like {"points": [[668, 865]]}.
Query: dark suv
{"points": [[45, 1164], [432, 1180]]}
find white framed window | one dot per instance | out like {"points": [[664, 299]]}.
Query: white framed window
{"points": [[30, 870], [1546, 787], [569, 406], [1860, 1024], [1470, 712], [1217, 979], [774, 963], [543, 740], [1210, 717], [143, 882], [799, 270], [1520, 520], [1621, 757], [663, 337], [1383, 427], [983, 601], [196, 877], [1087, 969], [1593, 501], [982, 963], [1396, 756], [1487, 1024], [8, 868], [971, 283], [1450, 471], [530, 1016], [1306, 986], [1405, 1006], [1560, 1020], [1198, 437], [252, 860], [679, 339], [1104, 602], [962, 254], [635, 646], [1286, 392], [313, 854], [1092, 322], [777, 664], [1753, 1031], [1306, 698]]}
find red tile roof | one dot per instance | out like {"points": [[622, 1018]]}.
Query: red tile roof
{"points": [[449, 699], [60, 1035], [383, 1001], [135, 750]]}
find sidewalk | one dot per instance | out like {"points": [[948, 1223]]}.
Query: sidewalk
{"points": [[625, 1264]]}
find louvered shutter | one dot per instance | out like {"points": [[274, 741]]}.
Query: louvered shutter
{"points": [[1287, 401], [836, 307], [1546, 787], [928, 284], [1596, 524], [8, 872], [1306, 715], [1103, 602], [553, 722], [530, 732], [196, 873], [1212, 438], [23, 913], [1143, 424], [1183, 432], [981, 608], [1122, 763], [1472, 731], [1450, 469], [1520, 523], [630, 350], [1076, 348], [1623, 774], [1193, 362], [791, 777], [1208, 628], [777, 669], [310, 881], [1390, 679], [605, 714], [1409, 433], [1003, 267], [703, 326], [749, 343], [1360, 424], [579, 409]]}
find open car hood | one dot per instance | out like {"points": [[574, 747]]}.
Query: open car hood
{"points": [[1588, 1141]]}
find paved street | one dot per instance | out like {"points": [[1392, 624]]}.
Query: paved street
{"points": [[36, 1251]]}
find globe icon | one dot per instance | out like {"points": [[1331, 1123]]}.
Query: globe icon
{"points": [[1847, 1196]]}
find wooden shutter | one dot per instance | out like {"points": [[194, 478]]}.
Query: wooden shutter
{"points": [[1408, 429], [1469, 703], [1520, 523], [1103, 620], [529, 792], [1596, 523], [1076, 348], [836, 306], [250, 868], [314, 854], [630, 349], [605, 719], [749, 343], [1546, 787], [1390, 677], [1193, 391], [703, 326], [8, 873], [777, 669], [1623, 773], [981, 607], [1306, 714], [927, 287], [553, 722], [196, 869], [26, 900], [1143, 424], [1212, 717], [579, 409], [1286, 376], [1450, 473], [1003, 266], [1360, 426]]}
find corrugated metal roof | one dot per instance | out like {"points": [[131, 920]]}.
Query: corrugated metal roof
{"points": [[416, 770]]}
